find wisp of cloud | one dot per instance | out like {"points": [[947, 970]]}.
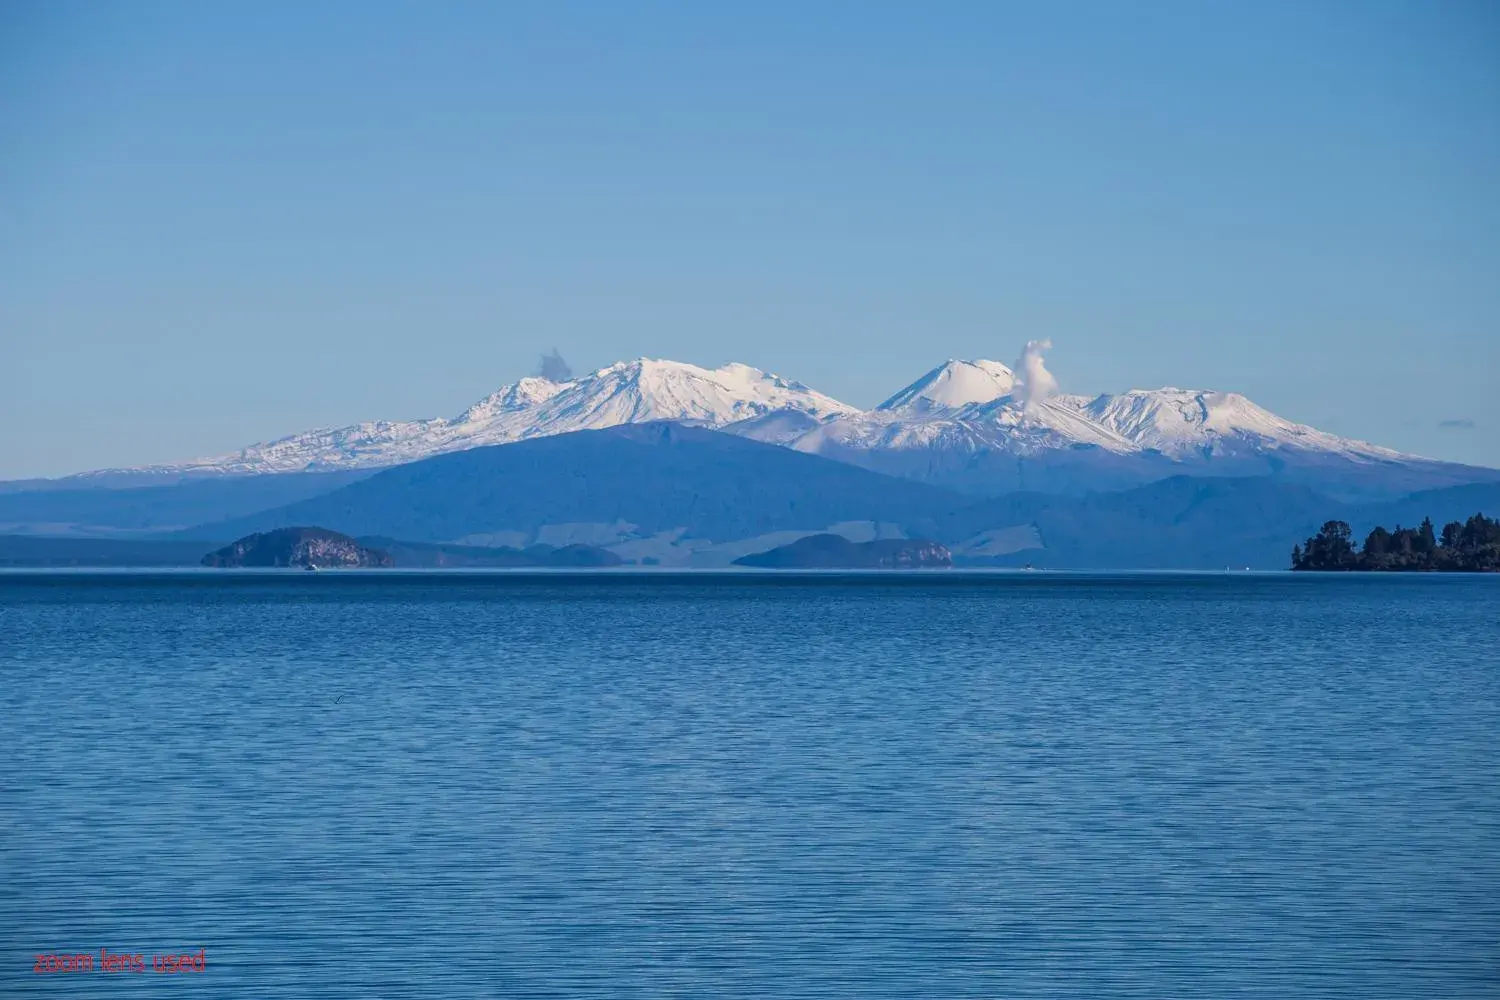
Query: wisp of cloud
{"points": [[1034, 382], [554, 369]]}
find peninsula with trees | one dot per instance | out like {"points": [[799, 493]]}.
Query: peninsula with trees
{"points": [[1471, 546]]}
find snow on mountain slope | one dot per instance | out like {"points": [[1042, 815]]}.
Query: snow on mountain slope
{"points": [[963, 406], [951, 385], [1001, 425], [777, 427], [1189, 423], [514, 398], [971, 405], [627, 392], [638, 391], [955, 427], [972, 425], [1051, 423]]}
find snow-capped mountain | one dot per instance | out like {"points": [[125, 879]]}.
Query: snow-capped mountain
{"points": [[1183, 423], [972, 425], [1000, 424], [976, 425], [627, 392], [951, 385], [974, 405]]}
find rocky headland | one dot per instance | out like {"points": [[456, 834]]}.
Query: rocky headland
{"points": [[309, 548]]}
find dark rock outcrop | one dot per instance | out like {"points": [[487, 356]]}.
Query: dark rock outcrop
{"points": [[837, 552], [305, 547]]}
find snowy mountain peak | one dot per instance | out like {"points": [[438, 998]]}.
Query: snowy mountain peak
{"points": [[650, 389], [963, 422], [952, 385], [1183, 422], [1002, 425], [626, 392], [525, 394]]}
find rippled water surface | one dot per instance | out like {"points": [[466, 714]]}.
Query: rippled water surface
{"points": [[344, 785]]}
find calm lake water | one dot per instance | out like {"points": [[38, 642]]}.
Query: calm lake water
{"points": [[639, 785]]}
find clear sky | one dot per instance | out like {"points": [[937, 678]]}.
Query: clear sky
{"points": [[225, 222]]}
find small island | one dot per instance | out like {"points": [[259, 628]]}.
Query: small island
{"points": [[837, 552], [309, 548], [1471, 546]]}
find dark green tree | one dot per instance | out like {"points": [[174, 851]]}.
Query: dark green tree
{"points": [[1426, 539], [1330, 548], [1478, 531], [1469, 546]]}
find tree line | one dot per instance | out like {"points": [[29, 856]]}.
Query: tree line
{"points": [[1464, 546]]}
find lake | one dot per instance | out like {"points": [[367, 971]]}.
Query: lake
{"points": [[681, 785]]}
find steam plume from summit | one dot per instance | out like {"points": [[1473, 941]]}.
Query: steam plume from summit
{"points": [[554, 369], [1034, 383]]}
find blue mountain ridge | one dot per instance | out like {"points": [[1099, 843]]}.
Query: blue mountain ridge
{"points": [[678, 495], [649, 480]]}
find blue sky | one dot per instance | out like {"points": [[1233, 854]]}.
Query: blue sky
{"points": [[220, 223]]}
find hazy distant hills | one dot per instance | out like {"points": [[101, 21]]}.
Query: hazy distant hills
{"points": [[91, 509], [648, 488], [838, 552], [672, 495], [665, 494], [972, 426], [43, 551], [1182, 523]]}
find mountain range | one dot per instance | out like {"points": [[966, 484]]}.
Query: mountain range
{"points": [[659, 491], [663, 463], [972, 426], [625, 393], [670, 495]]}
